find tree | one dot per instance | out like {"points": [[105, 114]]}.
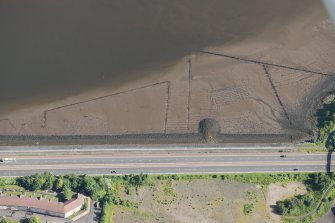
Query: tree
{"points": [[139, 180], [282, 209], [38, 181], [89, 185], [24, 182], [59, 183], [101, 182], [34, 182], [330, 142], [66, 183], [76, 182], [34, 219], [135, 180], [67, 192], [84, 207], [49, 180], [109, 199]]}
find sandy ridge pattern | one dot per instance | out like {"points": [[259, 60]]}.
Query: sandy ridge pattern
{"points": [[259, 86]]}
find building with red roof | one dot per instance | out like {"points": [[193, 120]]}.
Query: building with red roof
{"points": [[43, 206]]}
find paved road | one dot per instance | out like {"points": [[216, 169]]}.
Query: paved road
{"points": [[328, 218], [218, 162]]}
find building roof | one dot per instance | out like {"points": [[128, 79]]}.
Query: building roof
{"points": [[74, 203], [43, 204]]}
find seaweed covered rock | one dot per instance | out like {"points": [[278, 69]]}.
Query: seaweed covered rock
{"points": [[209, 130]]}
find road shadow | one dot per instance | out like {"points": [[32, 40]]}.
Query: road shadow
{"points": [[329, 161], [330, 144]]}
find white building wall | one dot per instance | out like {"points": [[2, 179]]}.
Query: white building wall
{"points": [[67, 214], [35, 210]]}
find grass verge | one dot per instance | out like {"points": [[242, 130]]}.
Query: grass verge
{"points": [[107, 213]]}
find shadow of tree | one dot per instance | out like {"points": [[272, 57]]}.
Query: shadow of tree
{"points": [[330, 145], [275, 209], [329, 159]]}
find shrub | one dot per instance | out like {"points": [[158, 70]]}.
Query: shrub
{"points": [[247, 209], [326, 124], [107, 213], [84, 207]]}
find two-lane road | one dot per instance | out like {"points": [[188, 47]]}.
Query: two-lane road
{"points": [[218, 162]]}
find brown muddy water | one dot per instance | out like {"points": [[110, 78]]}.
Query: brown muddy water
{"points": [[53, 49]]}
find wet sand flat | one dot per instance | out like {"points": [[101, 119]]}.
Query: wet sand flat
{"points": [[50, 50], [255, 79]]}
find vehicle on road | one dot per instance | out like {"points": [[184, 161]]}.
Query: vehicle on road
{"points": [[333, 210], [7, 159], [113, 171], [295, 169], [283, 156]]}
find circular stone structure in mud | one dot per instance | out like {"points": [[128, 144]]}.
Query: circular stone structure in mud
{"points": [[209, 130]]}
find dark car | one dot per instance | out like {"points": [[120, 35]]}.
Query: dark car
{"points": [[333, 210], [113, 171], [283, 156], [295, 169]]}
